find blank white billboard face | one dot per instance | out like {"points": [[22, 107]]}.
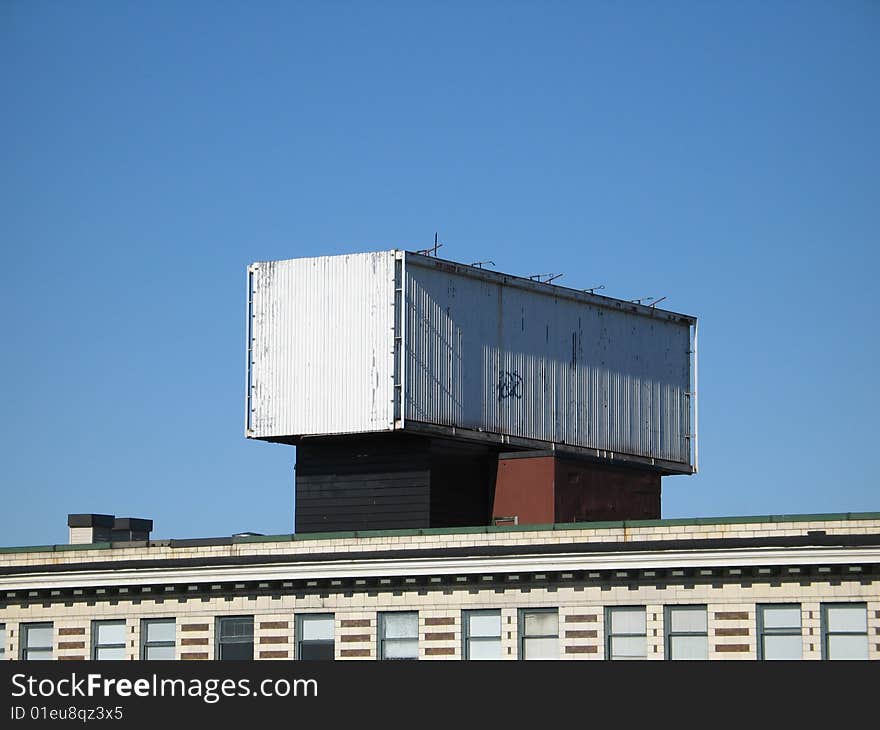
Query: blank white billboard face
{"points": [[381, 341], [321, 344], [541, 363]]}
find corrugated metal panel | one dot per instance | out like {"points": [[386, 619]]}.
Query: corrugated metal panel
{"points": [[508, 356], [333, 343], [321, 353]]}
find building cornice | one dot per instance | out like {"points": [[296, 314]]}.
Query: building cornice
{"points": [[258, 568]]}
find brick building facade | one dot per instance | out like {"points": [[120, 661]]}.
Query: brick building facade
{"points": [[738, 588]]}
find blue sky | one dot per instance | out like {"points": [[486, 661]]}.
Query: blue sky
{"points": [[724, 155]]}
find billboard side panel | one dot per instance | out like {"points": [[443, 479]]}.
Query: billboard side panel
{"points": [[485, 353], [322, 345]]}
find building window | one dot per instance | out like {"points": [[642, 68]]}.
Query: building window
{"points": [[108, 640], [235, 637], [779, 631], [36, 641], [539, 633], [844, 631], [2, 642], [157, 638], [686, 632], [482, 634], [314, 636], [399, 635], [625, 629]]}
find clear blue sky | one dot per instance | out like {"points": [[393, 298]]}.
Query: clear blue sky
{"points": [[724, 155]]}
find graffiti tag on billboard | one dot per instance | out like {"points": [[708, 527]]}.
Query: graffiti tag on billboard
{"points": [[509, 385]]}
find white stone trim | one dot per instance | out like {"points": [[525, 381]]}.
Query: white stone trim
{"points": [[371, 568]]}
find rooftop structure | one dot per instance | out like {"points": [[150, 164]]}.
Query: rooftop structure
{"points": [[406, 380]]}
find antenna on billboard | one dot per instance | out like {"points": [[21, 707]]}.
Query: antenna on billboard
{"points": [[480, 263], [594, 289], [549, 277], [433, 250], [645, 300]]}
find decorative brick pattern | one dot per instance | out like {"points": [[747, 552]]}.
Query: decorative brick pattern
{"points": [[356, 653], [71, 645], [356, 630], [731, 615], [274, 654], [810, 613], [440, 636], [655, 645], [356, 638], [580, 638], [275, 632], [729, 626], [72, 636], [444, 643], [581, 633], [509, 629], [439, 651], [585, 634], [732, 632], [873, 604], [273, 625], [192, 635], [582, 649]]}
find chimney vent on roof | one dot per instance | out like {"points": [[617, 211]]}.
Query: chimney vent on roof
{"points": [[131, 528], [90, 528]]}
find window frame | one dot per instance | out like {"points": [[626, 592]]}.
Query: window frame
{"points": [[218, 636], [156, 644], [298, 622], [24, 630], [466, 638], [94, 645], [763, 631], [381, 639], [521, 631], [609, 636], [669, 634], [825, 633]]}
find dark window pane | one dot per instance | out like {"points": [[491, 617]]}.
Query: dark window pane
{"points": [[316, 651], [239, 650]]}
